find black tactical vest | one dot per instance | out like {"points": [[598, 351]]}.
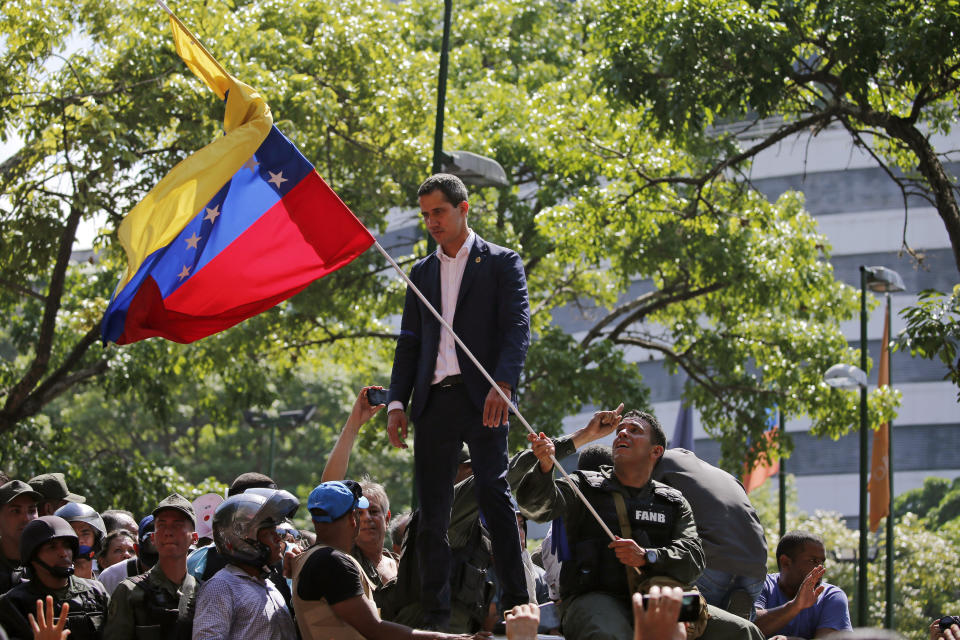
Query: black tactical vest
{"points": [[594, 566], [88, 601], [158, 614], [11, 574]]}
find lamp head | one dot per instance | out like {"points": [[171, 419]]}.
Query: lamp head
{"points": [[845, 376], [884, 280]]}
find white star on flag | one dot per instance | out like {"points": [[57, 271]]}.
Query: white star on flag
{"points": [[276, 179]]}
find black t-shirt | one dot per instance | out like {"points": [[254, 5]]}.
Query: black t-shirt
{"points": [[329, 574]]}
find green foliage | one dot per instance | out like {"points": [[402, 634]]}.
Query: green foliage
{"points": [[936, 503], [109, 477], [923, 499], [933, 330], [634, 235], [599, 371], [886, 72]]}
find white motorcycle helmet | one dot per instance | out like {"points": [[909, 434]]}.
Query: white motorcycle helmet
{"points": [[78, 512]]}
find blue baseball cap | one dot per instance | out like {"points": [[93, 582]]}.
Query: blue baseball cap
{"points": [[145, 528], [330, 500]]}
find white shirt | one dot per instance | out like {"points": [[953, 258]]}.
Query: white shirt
{"points": [[113, 575], [451, 275]]}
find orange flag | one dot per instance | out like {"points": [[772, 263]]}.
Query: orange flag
{"points": [[762, 468], [880, 461]]}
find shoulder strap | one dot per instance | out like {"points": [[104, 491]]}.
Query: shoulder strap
{"points": [[632, 578], [186, 594], [187, 590]]}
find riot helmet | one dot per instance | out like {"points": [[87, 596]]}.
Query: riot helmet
{"points": [[43, 530], [77, 512], [239, 518]]}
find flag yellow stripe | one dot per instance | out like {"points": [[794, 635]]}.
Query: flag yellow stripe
{"points": [[196, 56], [156, 220]]}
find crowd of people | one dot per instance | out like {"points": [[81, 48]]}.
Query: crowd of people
{"points": [[644, 542], [247, 572]]}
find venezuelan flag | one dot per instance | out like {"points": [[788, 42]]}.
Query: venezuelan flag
{"points": [[232, 230]]}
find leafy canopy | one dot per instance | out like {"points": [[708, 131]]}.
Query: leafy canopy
{"points": [[631, 235]]}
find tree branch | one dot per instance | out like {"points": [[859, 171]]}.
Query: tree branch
{"points": [[930, 166], [644, 305], [20, 289], [60, 380], [338, 337], [44, 344]]}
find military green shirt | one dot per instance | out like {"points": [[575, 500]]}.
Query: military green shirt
{"points": [[543, 499], [123, 620]]}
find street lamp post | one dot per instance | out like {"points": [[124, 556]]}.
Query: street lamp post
{"points": [[293, 417], [782, 481], [469, 167], [847, 377], [442, 87], [862, 564]]}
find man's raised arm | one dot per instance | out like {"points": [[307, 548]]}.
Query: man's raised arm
{"points": [[336, 467], [538, 495]]}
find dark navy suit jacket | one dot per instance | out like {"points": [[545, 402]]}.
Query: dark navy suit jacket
{"points": [[492, 319]]}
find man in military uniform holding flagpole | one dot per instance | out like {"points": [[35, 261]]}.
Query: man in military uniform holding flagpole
{"points": [[657, 532]]}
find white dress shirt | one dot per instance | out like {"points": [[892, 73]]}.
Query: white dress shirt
{"points": [[451, 275]]}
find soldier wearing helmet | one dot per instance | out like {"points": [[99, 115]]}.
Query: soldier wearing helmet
{"points": [[91, 531], [48, 547], [238, 601]]}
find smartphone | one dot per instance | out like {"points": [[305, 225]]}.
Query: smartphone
{"points": [[377, 397], [689, 608]]}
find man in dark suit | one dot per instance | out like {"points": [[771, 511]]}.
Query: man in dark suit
{"points": [[480, 290]]}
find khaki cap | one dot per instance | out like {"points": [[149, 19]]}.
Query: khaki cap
{"points": [[178, 502], [15, 489], [53, 486]]}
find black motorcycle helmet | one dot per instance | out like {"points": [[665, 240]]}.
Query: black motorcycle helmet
{"points": [[43, 530]]}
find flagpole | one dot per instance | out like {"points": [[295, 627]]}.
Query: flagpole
{"points": [[493, 384], [888, 578]]}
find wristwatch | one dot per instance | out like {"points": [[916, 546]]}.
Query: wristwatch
{"points": [[651, 555]]}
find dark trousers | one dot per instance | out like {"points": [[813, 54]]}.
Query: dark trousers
{"points": [[448, 421]]}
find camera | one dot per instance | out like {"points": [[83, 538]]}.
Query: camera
{"points": [[376, 397], [689, 607], [947, 621]]}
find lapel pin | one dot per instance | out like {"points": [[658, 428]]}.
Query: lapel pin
{"points": [[477, 260]]}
